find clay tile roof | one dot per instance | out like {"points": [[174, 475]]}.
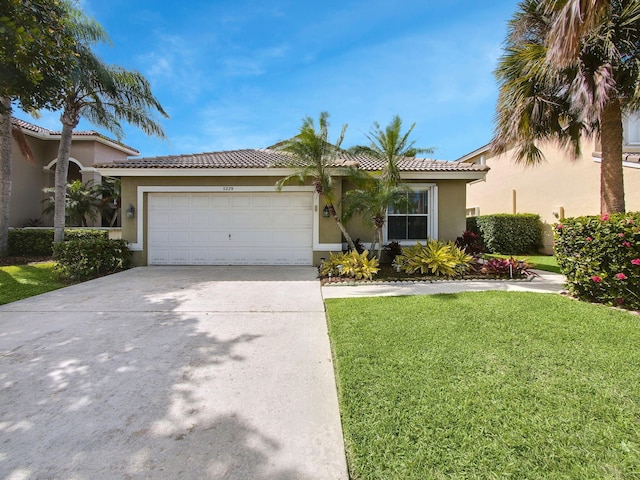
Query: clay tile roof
{"points": [[267, 158], [54, 133]]}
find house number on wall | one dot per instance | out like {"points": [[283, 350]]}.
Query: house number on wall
{"points": [[227, 189]]}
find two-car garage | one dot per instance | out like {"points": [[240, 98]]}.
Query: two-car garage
{"points": [[230, 228]]}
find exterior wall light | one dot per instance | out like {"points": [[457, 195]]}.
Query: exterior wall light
{"points": [[325, 212], [131, 211]]}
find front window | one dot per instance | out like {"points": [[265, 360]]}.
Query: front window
{"points": [[411, 223]]}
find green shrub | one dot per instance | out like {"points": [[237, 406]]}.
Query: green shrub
{"points": [[600, 257], [39, 242], [351, 265], [91, 257], [435, 258], [508, 234]]}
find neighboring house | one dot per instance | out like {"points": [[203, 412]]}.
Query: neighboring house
{"points": [[557, 188], [222, 208], [29, 178]]}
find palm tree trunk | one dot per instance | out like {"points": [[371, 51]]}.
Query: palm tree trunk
{"points": [[611, 175], [5, 173], [335, 216], [379, 243], [62, 169]]}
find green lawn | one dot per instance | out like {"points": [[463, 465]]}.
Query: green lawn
{"points": [[22, 281], [487, 385], [540, 262]]}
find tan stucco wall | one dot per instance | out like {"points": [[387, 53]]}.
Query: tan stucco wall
{"points": [[28, 179], [451, 209], [557, 183]]}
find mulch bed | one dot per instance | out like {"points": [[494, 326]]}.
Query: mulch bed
{"points": [[6, 261]]}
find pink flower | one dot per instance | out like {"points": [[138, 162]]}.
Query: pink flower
{"points": [[596, 279], [604, 218], [636, 261], [626, 244], [559, 226], [619, 301], [621, 276], [589, 239], [621, 235]]}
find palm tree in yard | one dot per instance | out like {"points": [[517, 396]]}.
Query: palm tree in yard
{"points": [[573, 21], [315, 158], [542, 99], [374, 194], [105, 95], [390, 146], [371, 199]]}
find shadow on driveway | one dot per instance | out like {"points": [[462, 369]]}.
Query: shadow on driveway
{"points": [[168, 377]]}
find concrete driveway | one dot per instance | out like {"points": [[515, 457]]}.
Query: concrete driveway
{"points": [[171, 373]]}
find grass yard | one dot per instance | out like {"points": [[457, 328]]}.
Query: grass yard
{"points": [[22, 281], [547, 263], [487, 385]]}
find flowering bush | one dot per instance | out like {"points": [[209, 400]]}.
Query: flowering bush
{"points": [[600, 256]]}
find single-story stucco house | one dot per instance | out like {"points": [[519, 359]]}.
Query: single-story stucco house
{"points": [[223, 208], [30, 176]]}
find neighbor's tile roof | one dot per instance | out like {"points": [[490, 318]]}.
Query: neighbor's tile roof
{"points": [[267, 158], [56, 133]]}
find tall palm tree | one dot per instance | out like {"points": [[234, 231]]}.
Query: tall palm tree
{"points": [[105, 95], [574, 19], [371, 198], [374, 195], [315, 158], [390, 146], [542, 101]]}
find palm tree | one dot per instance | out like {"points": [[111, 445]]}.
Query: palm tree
{"points": [[105, 95], [82, 202], [390, 146], [371, 198], [574, 19], [38, 40], [541, 101], [374, 195], [315, 158]]}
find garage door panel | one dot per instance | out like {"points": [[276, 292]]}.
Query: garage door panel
{"points": [[230, 229]]}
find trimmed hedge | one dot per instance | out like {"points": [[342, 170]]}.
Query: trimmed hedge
{"points": [[600, 256], [91, 257], [39, 242], [508, 234]]}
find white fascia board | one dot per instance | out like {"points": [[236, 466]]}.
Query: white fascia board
{"points": [[195, 172], [624, 164]]}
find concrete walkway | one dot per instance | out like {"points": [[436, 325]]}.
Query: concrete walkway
{"points": [[545, 282], [171, 373]]}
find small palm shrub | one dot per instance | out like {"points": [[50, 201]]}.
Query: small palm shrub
{"points": [[600, 256], [351, 265], [435, 258]]}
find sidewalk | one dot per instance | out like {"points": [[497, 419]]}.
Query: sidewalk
{"points": [[546, 282]]}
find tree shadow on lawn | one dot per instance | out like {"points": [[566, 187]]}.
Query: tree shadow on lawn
{"points": [[96, 394]]}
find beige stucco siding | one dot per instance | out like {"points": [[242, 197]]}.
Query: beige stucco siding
{"points": [[558, 184], [451, 209]]}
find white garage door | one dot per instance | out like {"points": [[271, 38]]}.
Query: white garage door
{"points": [[230, 229]]}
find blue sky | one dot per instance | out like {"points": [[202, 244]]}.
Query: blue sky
{"points": [[242, 74]]}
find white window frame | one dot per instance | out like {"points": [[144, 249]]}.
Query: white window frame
{"points": [[432, 215], [631, 130]]}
